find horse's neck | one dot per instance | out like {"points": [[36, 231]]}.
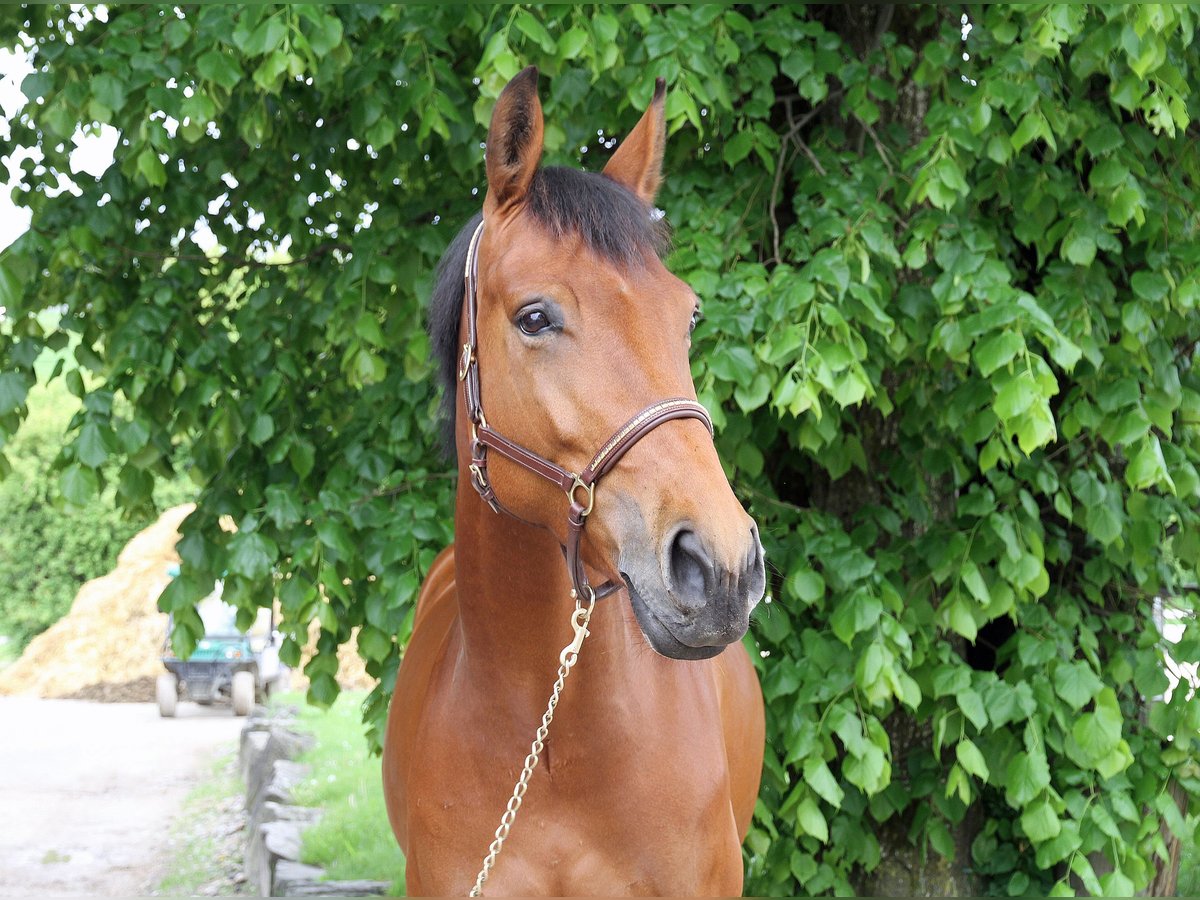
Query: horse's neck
{"points": [[515, 606]]}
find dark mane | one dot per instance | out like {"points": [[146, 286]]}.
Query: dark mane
{"points": [[606, 216]]}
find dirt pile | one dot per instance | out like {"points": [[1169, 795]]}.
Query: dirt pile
{"points": [[109, 646], [110, 643]]}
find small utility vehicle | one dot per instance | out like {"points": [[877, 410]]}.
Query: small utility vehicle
{"points": [[227, 665]]}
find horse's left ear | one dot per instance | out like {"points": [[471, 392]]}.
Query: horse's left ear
{"points": [[637, 164], [514, 144]]}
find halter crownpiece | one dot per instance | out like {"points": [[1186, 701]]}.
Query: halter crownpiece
{"points": [[580, 488]]}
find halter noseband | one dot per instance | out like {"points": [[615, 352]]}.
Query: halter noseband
{"points": [[579, 488]]}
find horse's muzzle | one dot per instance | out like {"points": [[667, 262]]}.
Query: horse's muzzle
{"points": [[690, 605]]}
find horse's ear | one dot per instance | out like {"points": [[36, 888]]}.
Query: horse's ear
{"points": [[514, 143], [637, 164]]}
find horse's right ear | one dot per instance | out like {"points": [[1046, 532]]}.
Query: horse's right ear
{"points": [[514, 143]]}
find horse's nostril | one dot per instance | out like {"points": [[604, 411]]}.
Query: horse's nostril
{"points": [[691, 570]]}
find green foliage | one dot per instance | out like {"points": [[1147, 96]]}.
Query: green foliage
{"points": [[949, 345], [48, 550]]}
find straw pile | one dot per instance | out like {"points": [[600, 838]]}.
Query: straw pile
{"points": [[110, 643], [352, 669], [109, 646]]}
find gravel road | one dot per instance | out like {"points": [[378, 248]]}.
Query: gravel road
{"points": [[88, 791]]}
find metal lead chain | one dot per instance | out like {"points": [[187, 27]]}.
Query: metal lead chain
{"points": [[567, 659]]}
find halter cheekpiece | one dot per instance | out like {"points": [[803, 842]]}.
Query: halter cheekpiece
{"points": [[580, 488]]}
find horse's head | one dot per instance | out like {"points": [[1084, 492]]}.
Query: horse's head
{"points": [[580, 326]]}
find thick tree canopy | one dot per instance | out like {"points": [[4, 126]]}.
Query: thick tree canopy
{"points": [[950, 284]]}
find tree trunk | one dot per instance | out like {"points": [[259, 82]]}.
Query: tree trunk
{"points": [[905, 869]]}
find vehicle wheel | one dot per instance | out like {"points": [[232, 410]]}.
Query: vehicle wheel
{"points": [[166, 690], [243, 693]]}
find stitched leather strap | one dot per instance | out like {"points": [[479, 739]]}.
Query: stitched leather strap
{"points": [[489, 437]]}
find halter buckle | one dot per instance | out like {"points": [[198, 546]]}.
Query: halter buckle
{"points": [[589, 489], [468, 358]]}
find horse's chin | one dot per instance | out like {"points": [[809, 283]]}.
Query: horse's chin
{"points": [[658, 636]]}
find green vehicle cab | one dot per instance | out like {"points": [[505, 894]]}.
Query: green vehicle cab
{"points": [[228, 665]]}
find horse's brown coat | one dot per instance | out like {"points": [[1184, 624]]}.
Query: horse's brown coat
{"points": [[649, 777]]}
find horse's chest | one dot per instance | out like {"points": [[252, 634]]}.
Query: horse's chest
{"points": [[615, 812], [635, 841]]}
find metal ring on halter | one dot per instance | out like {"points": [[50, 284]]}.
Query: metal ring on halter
{"points": [[589, 489]]}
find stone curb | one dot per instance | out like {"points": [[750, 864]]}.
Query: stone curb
{"points": [[274, 826]]}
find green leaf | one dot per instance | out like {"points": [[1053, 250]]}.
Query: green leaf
{"points": [[78, 485], [535, 31], [806, 585], [1149, 285], [571, 43], [10, 295], [282, 507], [13, 388], [1148, 467], [972, 707], [335, 536], [1079, 248], [1116, 884], [997, 350], [327, 617], [151, 168], [734, 364], [261, 429], [327, 35], [810, 820], [1103, 523], [109, 90], [1040, 822], [1076, 683], [971, 759], [302, 456], [220, 68], [960, 619], [1025, 777], [267, 36], [90, 447], [855, 613], [818, 777], [1099, 732], [1015, 395], [973, 579], [373, 643], [251, 554], [606, 26], [750, 397], [738, 147]]}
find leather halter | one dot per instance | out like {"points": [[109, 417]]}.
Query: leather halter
{"points": [[579, 488]]}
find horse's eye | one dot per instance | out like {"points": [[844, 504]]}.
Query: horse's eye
{"points": [[696, 317], [533, 321]]}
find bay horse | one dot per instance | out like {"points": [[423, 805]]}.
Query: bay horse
{"points": [[553, 312]]}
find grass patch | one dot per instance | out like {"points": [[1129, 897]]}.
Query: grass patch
{"points": [[207, 848], [354, 839]]}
